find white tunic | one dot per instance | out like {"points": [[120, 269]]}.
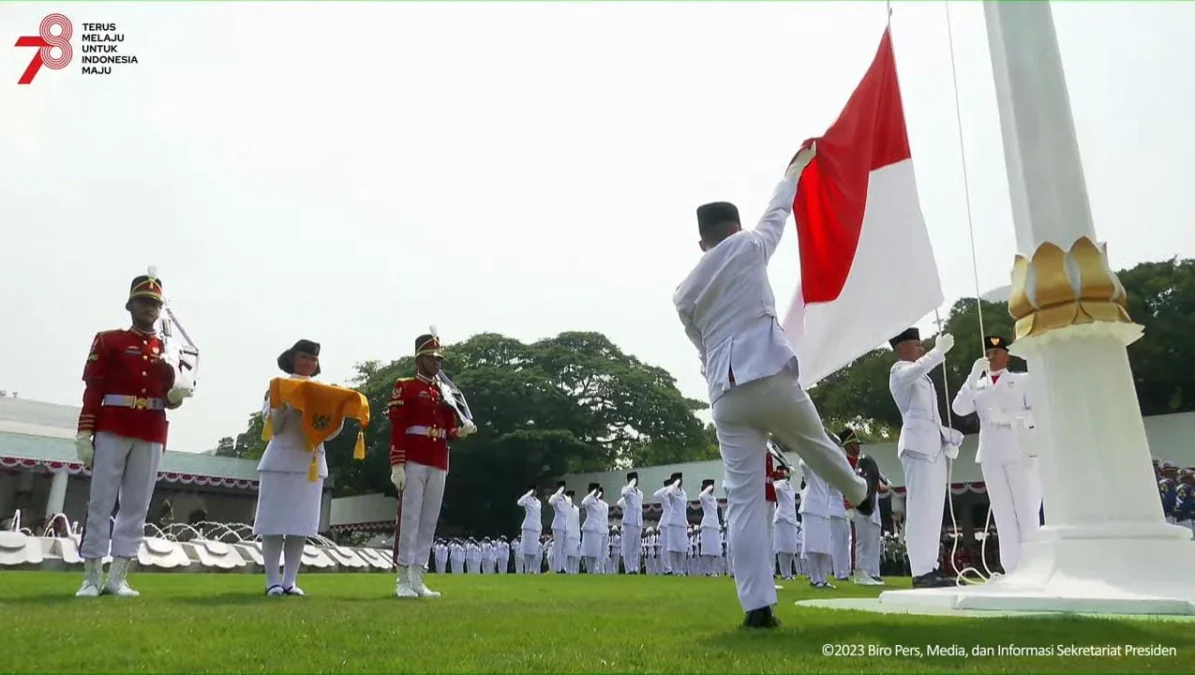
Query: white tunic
{"points": [[785, 535], [287, 502], [632, 506], [711, 536]]}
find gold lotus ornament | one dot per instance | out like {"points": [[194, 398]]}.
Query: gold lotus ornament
{"points": [[1055, 289]]}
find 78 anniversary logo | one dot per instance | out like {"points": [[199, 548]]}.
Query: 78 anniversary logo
{"points": [[100, 48]]}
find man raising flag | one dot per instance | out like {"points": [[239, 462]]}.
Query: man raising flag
{"points": [[860, 228]]}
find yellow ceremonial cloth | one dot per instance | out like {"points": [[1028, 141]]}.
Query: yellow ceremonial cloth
{"points": [[324, 409]]}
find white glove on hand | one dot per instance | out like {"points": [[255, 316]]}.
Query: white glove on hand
{"points": [[952, 436], [84, 447], [951, 451], [467, 429], [944, 343], [177, 394], [398, 476], [977, 370], [800, 161]]}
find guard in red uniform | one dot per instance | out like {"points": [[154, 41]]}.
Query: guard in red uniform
{"points": [[421, 424], [121, 436]]}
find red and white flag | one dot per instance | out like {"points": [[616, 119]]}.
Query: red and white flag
{"points": [[867, 268]]}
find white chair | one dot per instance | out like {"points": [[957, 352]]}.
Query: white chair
{"points": [[18, 548]]}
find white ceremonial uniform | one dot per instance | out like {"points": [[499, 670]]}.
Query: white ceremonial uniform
{"points": [[591, 532], [533, 524], [711, 537], [1005, 456], [817, 540], [632, 526], [520, 558], [921, 448], [441, 558], [287, 502], [473, 558], [572, 546], [487, 558], [456, 557], [785, 535], [664, 532], [560, 515], [604, 518], [868, 531], [502, 557], [840, 536], [615, 553], [729, 312]]}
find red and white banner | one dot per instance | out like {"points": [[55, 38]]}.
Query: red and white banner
{"points": [[867, 268], [77, 468]]}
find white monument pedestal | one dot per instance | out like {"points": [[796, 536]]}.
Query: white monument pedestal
{"points": [[1107, 547]]}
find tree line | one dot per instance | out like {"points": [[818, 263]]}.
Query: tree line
{"points": [[577, 403]]}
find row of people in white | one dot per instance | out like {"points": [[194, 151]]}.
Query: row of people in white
{"points": [[472, 557]]}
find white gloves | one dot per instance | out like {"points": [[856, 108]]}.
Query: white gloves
{"points": [[177, 394], [977, 370], [467, 429], [398, 476], [944, 343], [84, 447], [952, 436], [800, 161]]}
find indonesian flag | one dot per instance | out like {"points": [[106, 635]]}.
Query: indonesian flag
{"points": [[867, 268]]}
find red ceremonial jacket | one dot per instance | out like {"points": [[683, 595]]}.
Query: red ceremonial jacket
{"points": [[129, 363], [421, 424], [769, 490]]}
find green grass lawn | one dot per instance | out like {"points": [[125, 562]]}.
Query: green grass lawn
{"points": [[352, 623]]}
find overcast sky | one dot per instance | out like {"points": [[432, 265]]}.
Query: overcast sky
{"points": [[352, 173]]}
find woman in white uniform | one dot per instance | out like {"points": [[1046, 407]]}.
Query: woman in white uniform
{"points": [[288, 502]]}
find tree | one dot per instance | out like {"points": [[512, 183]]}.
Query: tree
{"points": [[226, 447], [1161, 297], [567, 404], [249, 445]]}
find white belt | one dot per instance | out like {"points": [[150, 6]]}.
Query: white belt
{"points": [[134, 402], [430, 432]]}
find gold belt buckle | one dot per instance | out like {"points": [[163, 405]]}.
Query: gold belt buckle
{"points": [[433, 433], [140, 403]]}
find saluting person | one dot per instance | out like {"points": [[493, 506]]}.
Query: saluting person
{"points": [[632, 523], [923, 448], [560, 516], [785, 534], [421, 425], [1001, 401], [122, 435]]}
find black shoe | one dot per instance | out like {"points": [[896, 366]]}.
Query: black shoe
{"points": [[761, 618], [932, 580], [870, 472]]}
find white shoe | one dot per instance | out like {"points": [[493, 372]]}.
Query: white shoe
{"points": [[275, 591], [402, 588], [117, 585], [93, 572], [417, 584], [294, 590], [865, 580]]}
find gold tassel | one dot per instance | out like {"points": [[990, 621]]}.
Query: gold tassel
{"points": [[313, 470], [267, 430], [359, 449]]}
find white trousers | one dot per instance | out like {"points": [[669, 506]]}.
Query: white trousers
{"points": [[632, 545], [925, 503], [744, 416], [867, 546], [124, 470], [558, 558], [1013, 508], [840, 546], [421, 501]]}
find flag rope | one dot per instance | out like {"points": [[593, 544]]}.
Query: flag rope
{"points": [[961, 577]]}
